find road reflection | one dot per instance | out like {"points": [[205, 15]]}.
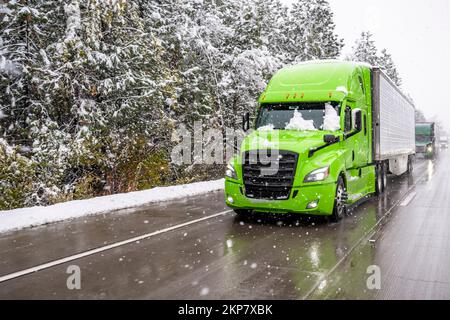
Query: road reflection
{"points": [[299, 251]]}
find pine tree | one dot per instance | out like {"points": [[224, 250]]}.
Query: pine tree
{"points": [[322, 42], [311, 32], [387, 65], [92, 91], [19, 51], [419, 115], [365, 50]]}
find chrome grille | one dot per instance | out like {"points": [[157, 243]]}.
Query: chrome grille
{"points": [[261, 183]]}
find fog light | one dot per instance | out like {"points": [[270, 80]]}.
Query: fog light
{"points": [[312, 204], [230, 199]]}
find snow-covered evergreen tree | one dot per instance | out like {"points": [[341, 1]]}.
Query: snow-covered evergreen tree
{"points": [[311, 32], [365, 49], [91, 91], [387, 65]]}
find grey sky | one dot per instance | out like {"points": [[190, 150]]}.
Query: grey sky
{"points": [[416, 33]]}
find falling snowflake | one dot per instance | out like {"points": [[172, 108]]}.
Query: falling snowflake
{"points": [[204, 291]]}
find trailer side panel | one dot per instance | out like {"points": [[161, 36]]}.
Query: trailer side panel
{"points": [[394, 119]]}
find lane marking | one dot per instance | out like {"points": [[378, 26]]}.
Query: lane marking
{"points": [[105, 248], [367, 235], [149, 235], [408, 199]]}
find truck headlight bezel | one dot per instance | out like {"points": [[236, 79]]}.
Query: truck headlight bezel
{"points": [[317, 175], [230, 172]]}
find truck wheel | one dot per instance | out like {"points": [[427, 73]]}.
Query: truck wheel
{"points": [[340, 207]]}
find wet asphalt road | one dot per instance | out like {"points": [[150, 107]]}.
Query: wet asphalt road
{"points": [[405, 233]]}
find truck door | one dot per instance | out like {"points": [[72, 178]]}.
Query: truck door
{"points": [[358, 149], [359, 143], [364, 152]]}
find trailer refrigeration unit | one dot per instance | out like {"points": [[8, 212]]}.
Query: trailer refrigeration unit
{"points": [[327, 134]]}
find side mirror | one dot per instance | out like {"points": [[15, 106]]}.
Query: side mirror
{"points": [[246, 122], [329, 138], [357, 122]]}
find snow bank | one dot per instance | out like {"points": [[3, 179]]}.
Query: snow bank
{"points": [[298, 123], [34, 216], [331, 120]]}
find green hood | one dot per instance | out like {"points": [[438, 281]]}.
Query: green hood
{"points": [[289, 140]]}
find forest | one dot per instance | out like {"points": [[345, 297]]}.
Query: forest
{"points": [[91, 91]]}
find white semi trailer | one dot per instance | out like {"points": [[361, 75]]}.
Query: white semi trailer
{"points": [[393, 127]]}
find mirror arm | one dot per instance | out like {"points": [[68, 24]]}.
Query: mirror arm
{"points": [[314, 150]]}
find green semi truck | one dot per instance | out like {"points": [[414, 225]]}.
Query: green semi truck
{"points": [[326, 135], [427, 139]]}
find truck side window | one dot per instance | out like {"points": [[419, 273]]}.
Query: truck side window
{"points": [[361, 83], [348, 119]]}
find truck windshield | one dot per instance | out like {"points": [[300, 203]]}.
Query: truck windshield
{"points": [[299, 116], [423, 138]]}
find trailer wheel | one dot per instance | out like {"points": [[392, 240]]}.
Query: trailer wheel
{"points": [[385, 172], [410, 165], [380, 182], [340, 207]]}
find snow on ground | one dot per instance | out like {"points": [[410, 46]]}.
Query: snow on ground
{"points": [[35, 216]]}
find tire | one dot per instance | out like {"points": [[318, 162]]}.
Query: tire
{"points": [[339, 208], [410, 168], [379, 183], [384, 174]]}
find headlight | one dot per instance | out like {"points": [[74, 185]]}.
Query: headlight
{"points": [[230, 172], [430, 148], [317, 175]]}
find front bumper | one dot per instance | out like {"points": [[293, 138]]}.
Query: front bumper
{"points": [[324, 193], [421, 149]]}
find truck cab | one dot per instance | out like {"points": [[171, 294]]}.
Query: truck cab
{"points": [[312, 148], [426, 142]]}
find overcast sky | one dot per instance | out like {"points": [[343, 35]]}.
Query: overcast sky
{"points": [[416, 33]]}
